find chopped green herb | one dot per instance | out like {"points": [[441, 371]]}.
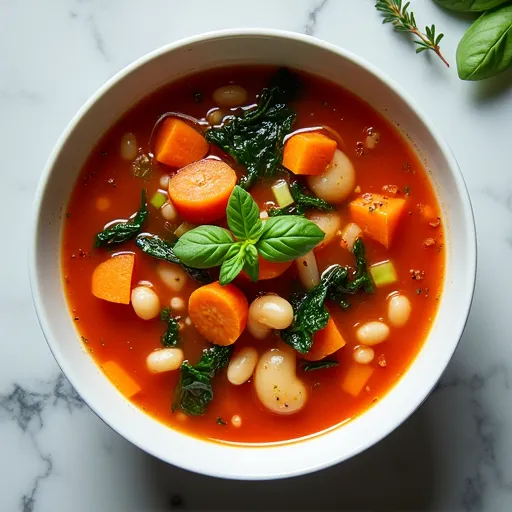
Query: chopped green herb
{"points": [[220, 421], [123, 231], [319, 365], [407, 190], [142, 167], [198, 96], [170, 338], [194, 390], [256, 139], [162, 250]]}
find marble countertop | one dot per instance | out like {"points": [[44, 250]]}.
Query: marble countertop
{"points": [[454, 454]]}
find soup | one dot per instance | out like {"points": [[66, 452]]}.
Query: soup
{"points": [[253, 255]]}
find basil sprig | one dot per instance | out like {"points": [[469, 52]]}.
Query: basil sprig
{"points": [[279, 239], [486, 48]]}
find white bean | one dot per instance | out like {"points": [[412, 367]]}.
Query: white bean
{"points": [[164, 181], [329, 223], [241, 366], [372, 333], [230, 96], [172, 275], [145, 302], [277, 386], [236, 421], [399, 310], [351, 232], [164, 360], [178, 304], [308, 270], [363, 354], [258, 330], [169, 212], [337, 182], [128, 147], [272, 311], [215, 117]]}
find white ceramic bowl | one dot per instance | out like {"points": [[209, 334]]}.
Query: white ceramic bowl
{"points": [[142, 78]]}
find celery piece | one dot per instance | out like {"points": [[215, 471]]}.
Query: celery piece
{"points": [[282, 194], [158, 200], [383, 273], [183, 228]]}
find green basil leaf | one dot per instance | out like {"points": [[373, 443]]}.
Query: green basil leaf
{"points": [[252, 263], [288, 237], [486, 48], [233, 263], [204, 247], [243, 215], [470, 5]]}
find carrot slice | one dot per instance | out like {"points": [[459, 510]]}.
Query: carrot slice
{"points": [[200, 191], [178, 144], [325, 342], [124, 382], [308, 153], [378, 216], [356, 378], [218, 312], [270, 270], [112, 279]]}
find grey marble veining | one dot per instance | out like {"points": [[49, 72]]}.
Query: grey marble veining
{"points": [[453, 454]]}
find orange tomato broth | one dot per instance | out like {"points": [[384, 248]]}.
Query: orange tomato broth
{"points": [[113, 331]]}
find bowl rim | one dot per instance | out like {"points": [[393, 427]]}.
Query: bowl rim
{"points": [[409, 102]]}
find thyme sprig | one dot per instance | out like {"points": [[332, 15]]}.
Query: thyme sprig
{"points": [[404, 21]]}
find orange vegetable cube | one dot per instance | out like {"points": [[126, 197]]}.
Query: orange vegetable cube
{"points": [[124, 382], [178, 144], [356, 378], [325, 342], [112, 279], [378, 216], [308, 153]]}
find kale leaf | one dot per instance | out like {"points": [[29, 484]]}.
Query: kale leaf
{"points": [[256, 139], [303, 202], [362, 278], [194, 390], [163, 250], [310, 313], [123, 231], [170, 338]]}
